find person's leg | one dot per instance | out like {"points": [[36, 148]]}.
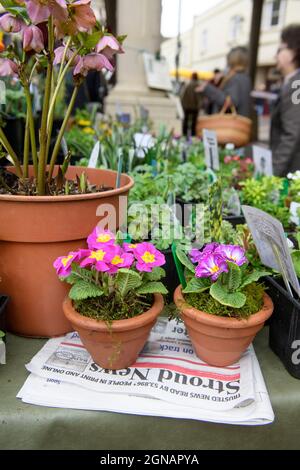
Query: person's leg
{"points": [[185, 123], [194, 122]]}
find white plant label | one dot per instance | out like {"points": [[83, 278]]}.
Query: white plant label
{"points": [[271, 243], [211, 150], [94, 156], [262, 158]]}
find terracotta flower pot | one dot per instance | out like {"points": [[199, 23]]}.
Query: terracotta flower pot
{"points": [[34, 231], [221, 341], [117, 346]]}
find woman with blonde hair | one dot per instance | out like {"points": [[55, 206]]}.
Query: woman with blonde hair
{"points": [[236, 84]]}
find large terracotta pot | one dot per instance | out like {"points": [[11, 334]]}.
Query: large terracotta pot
{"points": [[34, 231], [220, 341], [118, 345]]}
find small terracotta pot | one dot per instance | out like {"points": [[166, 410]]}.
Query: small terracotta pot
{"points": [[34, 231], [117, 346], [221, 341]]}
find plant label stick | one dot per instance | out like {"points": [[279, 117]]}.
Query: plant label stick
{"points": [[212, 159], [271, 244], [120, 165], [94, 156], [262, 158]]}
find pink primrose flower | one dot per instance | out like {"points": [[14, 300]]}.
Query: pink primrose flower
{"points": [[148, 257]]}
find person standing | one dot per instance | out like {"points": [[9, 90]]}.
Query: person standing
{"points": [[236, 84], [285, 121], [190, 101]]}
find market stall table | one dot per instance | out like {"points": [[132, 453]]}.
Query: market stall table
{"points": [[35, 427]]}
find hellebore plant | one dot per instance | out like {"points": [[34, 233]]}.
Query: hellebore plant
{"points": [[58, 34], [223, 270], [112, 272]]}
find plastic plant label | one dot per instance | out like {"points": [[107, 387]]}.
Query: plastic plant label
{"points": [[262, 158], [211, 150], [271, 244], [94, 156], [295, 212], [2, 352]]}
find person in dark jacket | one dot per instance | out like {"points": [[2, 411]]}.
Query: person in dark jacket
{"points": [[236, 84], [190, 101], [285, 123]]}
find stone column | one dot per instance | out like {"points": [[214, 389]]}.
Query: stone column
{"points": [[140, 20]]}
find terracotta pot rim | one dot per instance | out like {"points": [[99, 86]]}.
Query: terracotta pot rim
{"points": [[74, 197], [117, 325], [224, 322]]}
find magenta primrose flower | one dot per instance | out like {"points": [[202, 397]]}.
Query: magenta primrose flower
{"points": [[10, 24], [119, 259], [197, 255], [130, 247], [148, 257], [63, 264], [233, 253], [98, 238], [100, 259], [211, 265]]}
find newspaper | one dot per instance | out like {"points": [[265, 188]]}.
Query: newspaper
{"points": [[168, 379]]}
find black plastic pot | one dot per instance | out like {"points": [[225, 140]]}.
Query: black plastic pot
{"points": [[171, 281], [3, 303], [235, 219], [14, 130], [284, 338]]}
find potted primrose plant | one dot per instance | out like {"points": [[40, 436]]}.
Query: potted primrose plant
{"points": [[115, 298], [222, 305], [49, 39]]}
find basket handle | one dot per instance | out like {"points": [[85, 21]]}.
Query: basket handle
{"points": [[228, 104]]}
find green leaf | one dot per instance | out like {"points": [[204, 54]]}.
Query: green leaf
{"points": [[232, 299], [83, 290], [156, 274], [127, 280], [296, 261], [92, 39], [185, 260], [197, 285], [121, 38], [255, 276], [2, 334], [152, 288], [233, 277]]}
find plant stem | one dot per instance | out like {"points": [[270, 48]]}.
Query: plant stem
{"points": [[11, 152], [62, 131], [31, 129], [26, 148], [43, 133]]}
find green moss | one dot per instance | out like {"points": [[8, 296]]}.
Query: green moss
{"points": [[204, 302], [113, 308]]}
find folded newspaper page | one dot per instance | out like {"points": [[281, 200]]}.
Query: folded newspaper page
{"points": [[168, 379]]}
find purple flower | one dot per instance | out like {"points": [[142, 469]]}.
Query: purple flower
{"points": [[129, 247], [148, 257], [8, 68], [59, 53], [92, 61], [33, 39], [233, 253], [119, 259], [63, 264], [10, 24], [39, 10], [99, 238], [197, 255], [99, 258], [109, 46], [211, 265]]}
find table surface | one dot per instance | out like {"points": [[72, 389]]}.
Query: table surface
{"points": [[25, 426]]}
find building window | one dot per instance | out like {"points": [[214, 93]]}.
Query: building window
{"points": [[235, 27], [274, 11], [204, 41]]}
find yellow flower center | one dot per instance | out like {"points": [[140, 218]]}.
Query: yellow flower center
{"points": [[66, 260], [117, 260], [148, 257], [215, 269], [98, 255], [84, 122], [103, 238], [133, 245]]}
